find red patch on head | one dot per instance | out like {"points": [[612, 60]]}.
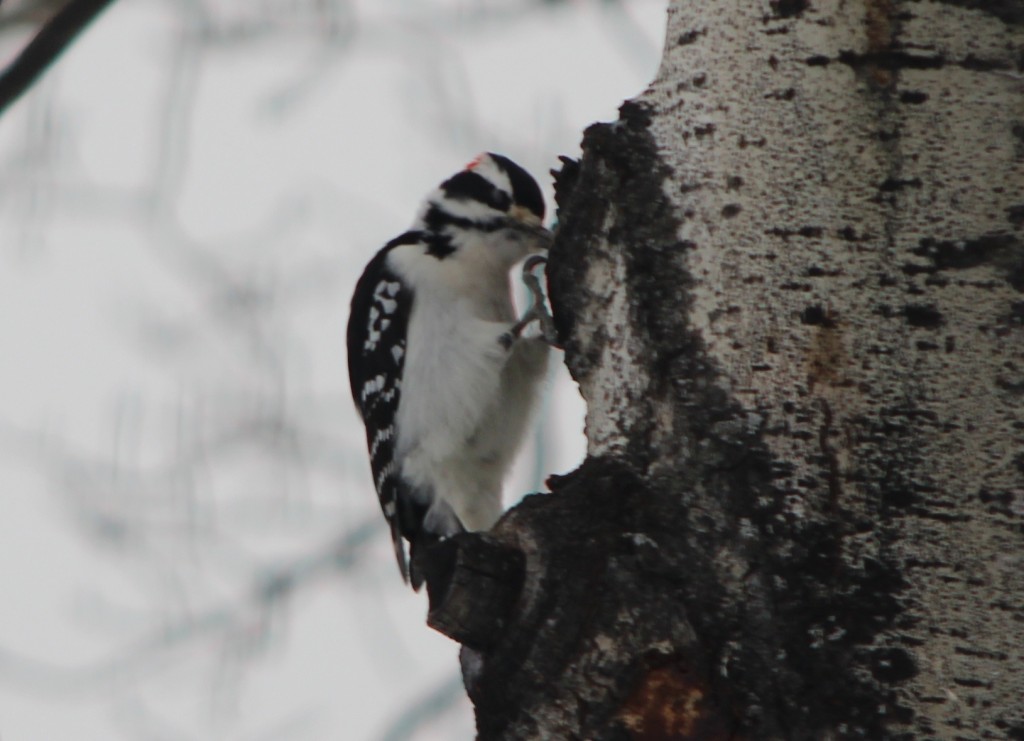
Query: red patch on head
{"points": [[476, 162]]}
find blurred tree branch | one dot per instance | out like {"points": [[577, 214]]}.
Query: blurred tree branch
{"points": [[243, 623], [53, 38]]}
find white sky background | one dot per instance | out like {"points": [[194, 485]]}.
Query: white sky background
{"points": [[190, 547]]}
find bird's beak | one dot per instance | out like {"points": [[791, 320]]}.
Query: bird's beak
{"points": [[538, 234], [526, 223]]}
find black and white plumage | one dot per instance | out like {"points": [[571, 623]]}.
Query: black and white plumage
{"points": [[439, 372]]}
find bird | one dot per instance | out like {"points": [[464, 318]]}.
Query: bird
{"points": [[441, 371]]}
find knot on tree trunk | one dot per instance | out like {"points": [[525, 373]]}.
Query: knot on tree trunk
{"points": [[473, 582]]}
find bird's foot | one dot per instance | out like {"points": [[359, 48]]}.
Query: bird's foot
{"points": [[537, 312]]}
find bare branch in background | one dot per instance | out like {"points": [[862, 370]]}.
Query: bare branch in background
{"points": [[141, 722], [242, 623], [425, 710], [17, 13], [55, 36]]}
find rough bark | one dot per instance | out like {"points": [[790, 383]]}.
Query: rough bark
{"points": [[789, 283]]}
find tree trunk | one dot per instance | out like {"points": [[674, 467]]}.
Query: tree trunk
{"points": [[789, 282]]}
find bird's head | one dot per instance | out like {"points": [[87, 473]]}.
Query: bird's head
{"points": [[493, 205]]}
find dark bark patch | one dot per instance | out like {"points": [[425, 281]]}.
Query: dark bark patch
{"points": [[1016, 276], [894, 60], [899, 497], [815, 271], [913, 97], [1015, 215], [1005, 252], [690, 37], [818, 60], [1008, 11], [912, 269], [706, 130], [974, 64], [735, 182], [973, 682], [923, 315], [1010, 385], [806, 231], [731, 210], [1007, 503], [565, 180], [893, 665], [961, 255], [981, 653], [1015, 731], [1018, 133], [890, 60], [818, 317], [793, 285], [789, 8], [890, 185]]}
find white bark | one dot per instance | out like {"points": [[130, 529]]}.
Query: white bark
{"points": [[850, 178]]}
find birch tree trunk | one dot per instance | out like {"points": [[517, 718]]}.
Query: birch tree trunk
{"points": [[789, 281]]}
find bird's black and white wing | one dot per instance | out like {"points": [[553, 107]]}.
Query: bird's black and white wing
{"points": [[377, 327]]}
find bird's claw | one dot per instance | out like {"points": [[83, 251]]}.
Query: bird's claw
{"points": [[537, 312]]}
